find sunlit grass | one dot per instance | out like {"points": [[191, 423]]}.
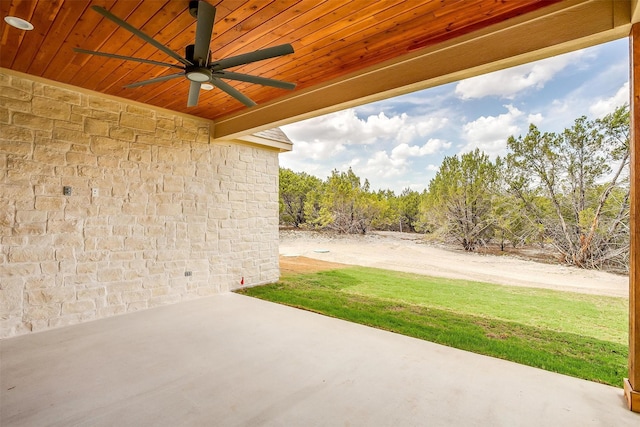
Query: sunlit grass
{"points": [[579, 335]]}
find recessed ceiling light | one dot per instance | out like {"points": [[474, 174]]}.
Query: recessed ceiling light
{"points": [[206, 86], [18, 23]]}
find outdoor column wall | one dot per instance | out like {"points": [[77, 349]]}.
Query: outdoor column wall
{"points": [[167, 202], [632, 384]]}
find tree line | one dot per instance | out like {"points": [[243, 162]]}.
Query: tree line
{"points": [[568, 190]]}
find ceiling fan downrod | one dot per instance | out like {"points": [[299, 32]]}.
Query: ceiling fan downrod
{"points": [[198, 71]]}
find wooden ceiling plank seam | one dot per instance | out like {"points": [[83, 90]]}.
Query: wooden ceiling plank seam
{"points": [[62, 58], [20, 9], [261, 33], [59, 31], [384, 46], [258, 33], [363, 16], [225, 30], [131, 71], [264, 67], [127, 44], [25, 10], [83, 32], [380, 44], [453, 7], [95, 40], [494, 18], [473, 26], [117, 36], [32, 39], [316, 11], [394, 36], [320, 23], [259, 68], [362, 36], [337, 36]]}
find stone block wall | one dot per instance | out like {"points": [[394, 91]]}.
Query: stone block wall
{"points": [[151, 200]]}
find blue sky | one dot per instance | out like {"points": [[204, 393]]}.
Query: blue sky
{"points": [[400, 142]]}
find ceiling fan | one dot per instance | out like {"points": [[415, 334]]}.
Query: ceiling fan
{"points": [[197, 65]]}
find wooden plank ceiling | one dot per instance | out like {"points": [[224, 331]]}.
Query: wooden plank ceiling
{"points": [[331, 38]]}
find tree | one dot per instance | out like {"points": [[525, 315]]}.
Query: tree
{"points": [[408, 209], [459, 198], [574, 171], [387, 203], [294, 190], [346, 205]]}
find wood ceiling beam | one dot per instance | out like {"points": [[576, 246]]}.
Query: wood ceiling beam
{"points": [[553, 30]]}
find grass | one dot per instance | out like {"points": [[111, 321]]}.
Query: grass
{"points": [[580, 335]]}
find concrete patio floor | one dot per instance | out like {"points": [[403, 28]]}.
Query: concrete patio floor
{"points": [[231, 360]]}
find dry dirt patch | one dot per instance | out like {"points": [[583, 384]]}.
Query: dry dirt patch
{"points": [[410, 253], [301, 264]]}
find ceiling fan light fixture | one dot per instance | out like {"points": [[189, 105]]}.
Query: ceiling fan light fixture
{"points": [[198, 74], [18, 23], [206, 86]]}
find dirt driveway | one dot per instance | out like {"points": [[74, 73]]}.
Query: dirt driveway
{"points": [[407, 252]]}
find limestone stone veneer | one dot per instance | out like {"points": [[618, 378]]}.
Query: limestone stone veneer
{"points": [[152, 198]]}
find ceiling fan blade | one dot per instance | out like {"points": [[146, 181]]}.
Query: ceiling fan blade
{"points": [[156, 80], [126, 58], [233, 92], [104, 12], [246, 58], [194, 94], [204, 28], [254, 79]]}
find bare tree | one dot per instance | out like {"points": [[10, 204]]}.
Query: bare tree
{"points": [[583, 174]]}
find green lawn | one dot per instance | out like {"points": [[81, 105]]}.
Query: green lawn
{"points": [[579, 335]]}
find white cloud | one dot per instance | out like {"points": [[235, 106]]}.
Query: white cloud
{"points": [[602, 107], [535, 119], [345, 127], [416, 127], [490, 133], [561, 113], [404, 151], [399, 162], [508, 83], [319, 149], [385, 166]]}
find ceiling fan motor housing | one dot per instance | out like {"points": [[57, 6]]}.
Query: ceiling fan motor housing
{"points": [[193, 9], [189, 51]]}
